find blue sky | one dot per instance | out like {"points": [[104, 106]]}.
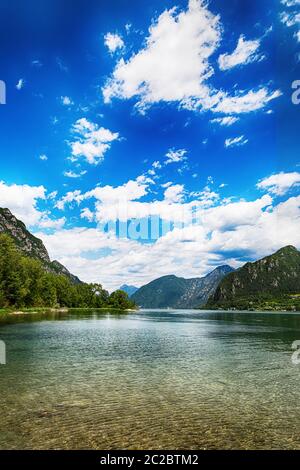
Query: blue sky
{"points": [[118, 111]]}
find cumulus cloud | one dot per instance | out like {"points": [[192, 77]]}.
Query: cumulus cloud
{"points": [[46, 223], [36, 63], [280, 183], [174, 193], [113, 42], [175, 156], [69, 198], [66, 101], [190, 232], [234, 214], [20, 84], [23, 201], [73, 174], [43, 157], [229, 233], [290, 3], [126, 202], [290, 19], [291, 16], [174, 66], [241, 103], [92, 141], [157, 165], [245, 53], [225, 121], [236, 141], [86, 213]]}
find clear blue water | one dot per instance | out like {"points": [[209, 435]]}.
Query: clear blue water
{"points": [[151, 380]]}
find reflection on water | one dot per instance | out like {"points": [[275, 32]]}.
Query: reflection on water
{"points": [[152, 379]]}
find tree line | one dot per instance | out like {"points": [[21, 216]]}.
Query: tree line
{"points": [[25, 282]]}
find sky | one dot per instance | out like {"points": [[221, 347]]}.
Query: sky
{"points": [[141, 139]]}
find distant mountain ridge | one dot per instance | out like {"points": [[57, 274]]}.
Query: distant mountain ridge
{"points": [[31, 245], [130, 290], [269, 283], [176, 292]]}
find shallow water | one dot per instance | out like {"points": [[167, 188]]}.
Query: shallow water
{"points": [[152, 379]]}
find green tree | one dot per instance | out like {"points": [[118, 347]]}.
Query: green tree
{"points": [[25, 282], [119, 299]]}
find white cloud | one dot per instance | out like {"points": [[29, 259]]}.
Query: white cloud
{"points": [[222, 235], [52, 195], [69, 198], [234, 214], [291, 17], [36, 63], [55, 224], [175, 156], [236, 141], [280, 183], [174, 66], [225, 121], [23, 201], [124, 202], [245, 102], [92, 141], [130, 191], [86, 213], [66, 101], [290, 3], [113, 42], [174, 194], [20, 84], [245, 53], [219, 231], [43, 157], [72, 174]]}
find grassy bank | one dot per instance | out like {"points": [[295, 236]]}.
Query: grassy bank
{"points": [[9, 315], [24, 311]]}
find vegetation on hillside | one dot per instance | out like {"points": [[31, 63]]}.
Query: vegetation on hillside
{"points": [[24, 282], [272, 283], [31, 245]]}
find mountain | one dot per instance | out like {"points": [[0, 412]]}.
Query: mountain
{"points": [[177, 292], [130, 290], [31, 245], [270, 283]]}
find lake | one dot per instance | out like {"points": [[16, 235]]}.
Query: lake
{"points": [[151, 380]]}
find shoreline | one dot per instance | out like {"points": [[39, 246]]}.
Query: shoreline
{"points": [[45, 310], [10, 314]]}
